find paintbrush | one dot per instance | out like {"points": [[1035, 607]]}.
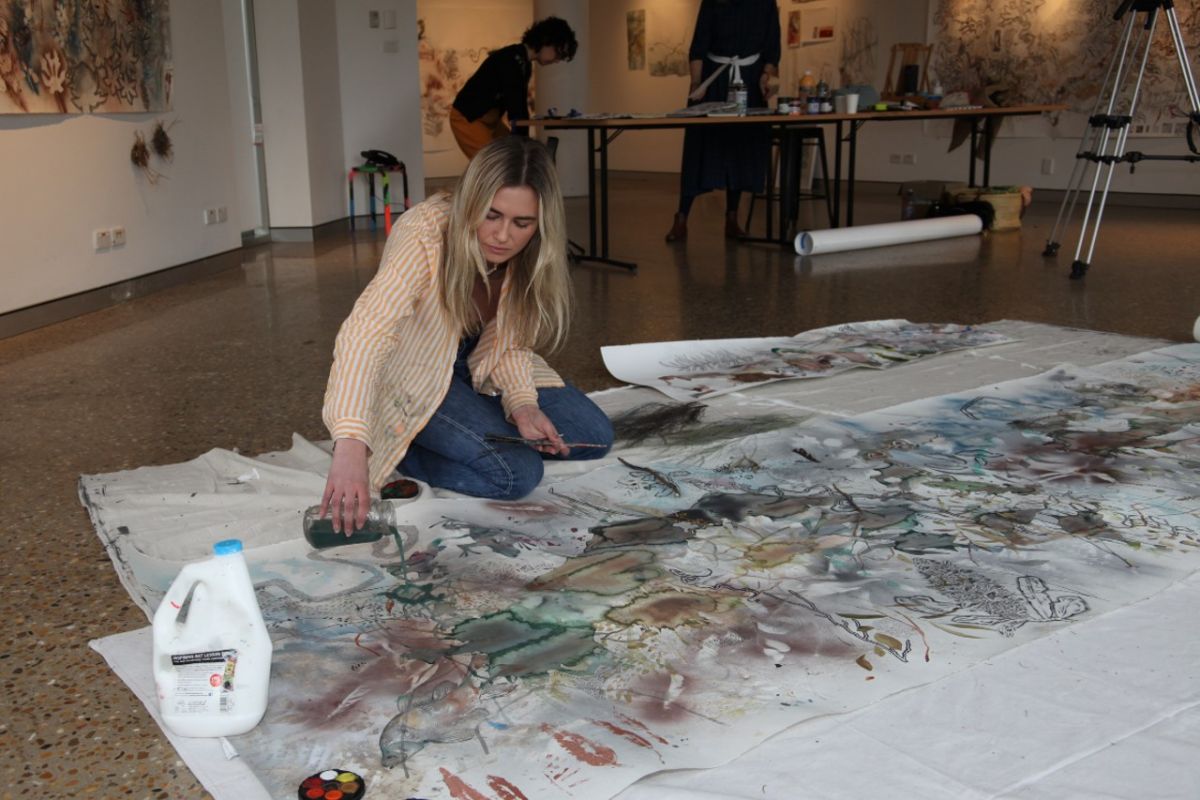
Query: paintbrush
{"points": [[501, 438]]}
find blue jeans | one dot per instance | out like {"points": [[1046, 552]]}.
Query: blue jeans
{"points": [[450, 451]]}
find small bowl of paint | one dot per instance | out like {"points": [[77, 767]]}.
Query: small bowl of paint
{"points": [[332, 784]]}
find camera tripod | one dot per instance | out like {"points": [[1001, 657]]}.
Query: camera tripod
{"points": [[1102, 147]]}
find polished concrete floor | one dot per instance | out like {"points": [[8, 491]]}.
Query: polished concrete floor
{"points": [[239, 359]]}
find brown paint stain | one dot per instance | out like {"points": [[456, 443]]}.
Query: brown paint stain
{"points": [[640, 724], [460, 789], [669, 609], [623, 733], [584, 749], [505, 790]]}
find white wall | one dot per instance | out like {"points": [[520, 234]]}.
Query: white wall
{"points": [[245, 213], [380, 93], [616, 88], [565, 86], [67, 175], [323, 110], [285, 133]]}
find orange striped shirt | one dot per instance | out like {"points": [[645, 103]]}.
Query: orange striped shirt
{"points": [[394, 354]]}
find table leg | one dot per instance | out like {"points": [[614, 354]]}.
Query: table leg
{"points": [[387, 204], [591, 132], [974, 144], [988, 131], [350, 187], [850, 176], [837, 174]]}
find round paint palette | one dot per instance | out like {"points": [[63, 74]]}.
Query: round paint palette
{"points": [[333, 784]]}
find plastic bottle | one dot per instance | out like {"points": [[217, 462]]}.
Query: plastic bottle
{"points": [[807, 89], [738, 95], [212, 667]]}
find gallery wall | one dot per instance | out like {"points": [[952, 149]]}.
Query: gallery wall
{"points": [[331, 86], [65, 176]]}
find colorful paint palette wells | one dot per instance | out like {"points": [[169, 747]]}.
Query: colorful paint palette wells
{"points": [[333, 784]]}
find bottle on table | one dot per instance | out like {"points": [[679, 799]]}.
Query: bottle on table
{"points": [[738, 95], [807, 88]]}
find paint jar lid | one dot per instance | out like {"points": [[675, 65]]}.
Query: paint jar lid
{"points": [[227, 547]]}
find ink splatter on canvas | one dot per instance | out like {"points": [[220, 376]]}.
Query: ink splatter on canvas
{"points": [[645, 615]]}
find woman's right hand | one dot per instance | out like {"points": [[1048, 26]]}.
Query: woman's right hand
{"points": [[347, 496]]}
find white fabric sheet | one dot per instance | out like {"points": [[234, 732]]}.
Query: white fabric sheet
{"points": [[1114, 713]]}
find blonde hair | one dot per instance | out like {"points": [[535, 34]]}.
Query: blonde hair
{"points": [[538, 301]]}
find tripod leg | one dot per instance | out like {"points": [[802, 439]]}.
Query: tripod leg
{"points": [[1093, 136], [1110, 161]]}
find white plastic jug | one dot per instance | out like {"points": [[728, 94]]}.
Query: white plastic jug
{"points": [[212, 668]]}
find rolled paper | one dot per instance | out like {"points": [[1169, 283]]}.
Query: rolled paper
{"points": [[860, 237], [1196, 330]]}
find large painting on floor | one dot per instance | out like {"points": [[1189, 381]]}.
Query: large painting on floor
{"points": [[720, 583], [85, 57]]}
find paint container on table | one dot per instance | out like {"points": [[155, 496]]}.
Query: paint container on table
{"points": [[212, 653], [381, 518]]}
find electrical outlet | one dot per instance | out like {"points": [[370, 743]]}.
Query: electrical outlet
{"points": [[101, 239], [909, 158], [895, 158], [222, 214], [391, 46], [210, 216], [1047, 166], [118, 236]]}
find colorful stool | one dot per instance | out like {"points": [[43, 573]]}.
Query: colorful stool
{"points": [[371, 170]]}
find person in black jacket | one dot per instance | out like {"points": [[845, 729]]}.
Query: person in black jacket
{"points": [[500, 87]]}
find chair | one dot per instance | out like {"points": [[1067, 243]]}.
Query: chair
{"points": [[797, 140]]}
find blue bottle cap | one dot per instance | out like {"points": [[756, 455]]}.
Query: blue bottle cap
{"points": [[227, 547]]}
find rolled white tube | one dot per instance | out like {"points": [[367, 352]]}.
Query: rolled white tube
{"points": [[1196, 330], [861, 237]]}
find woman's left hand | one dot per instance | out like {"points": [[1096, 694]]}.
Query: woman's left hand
{"points": [[533, 424]]}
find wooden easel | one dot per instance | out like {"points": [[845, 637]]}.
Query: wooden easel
{"points": [[910, 55]]}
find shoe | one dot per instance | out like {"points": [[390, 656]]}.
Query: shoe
{"points": [[732, 229], [678, 230]]}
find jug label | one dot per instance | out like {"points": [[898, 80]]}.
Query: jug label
{"points": [[204, 682]]}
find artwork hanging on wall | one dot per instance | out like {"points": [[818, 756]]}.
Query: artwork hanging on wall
{"points": [[635, 38], [859, 43], [1058, 57], [85, 58], [793, 29], [818, 25], [669, 34]]}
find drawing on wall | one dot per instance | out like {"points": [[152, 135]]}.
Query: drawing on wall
{"points": [[567, 644], [85, 58], [635, 38], [859, 45], [1063, 57], [818, 24], [669, 34], [698, 370], [793, 29]]}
